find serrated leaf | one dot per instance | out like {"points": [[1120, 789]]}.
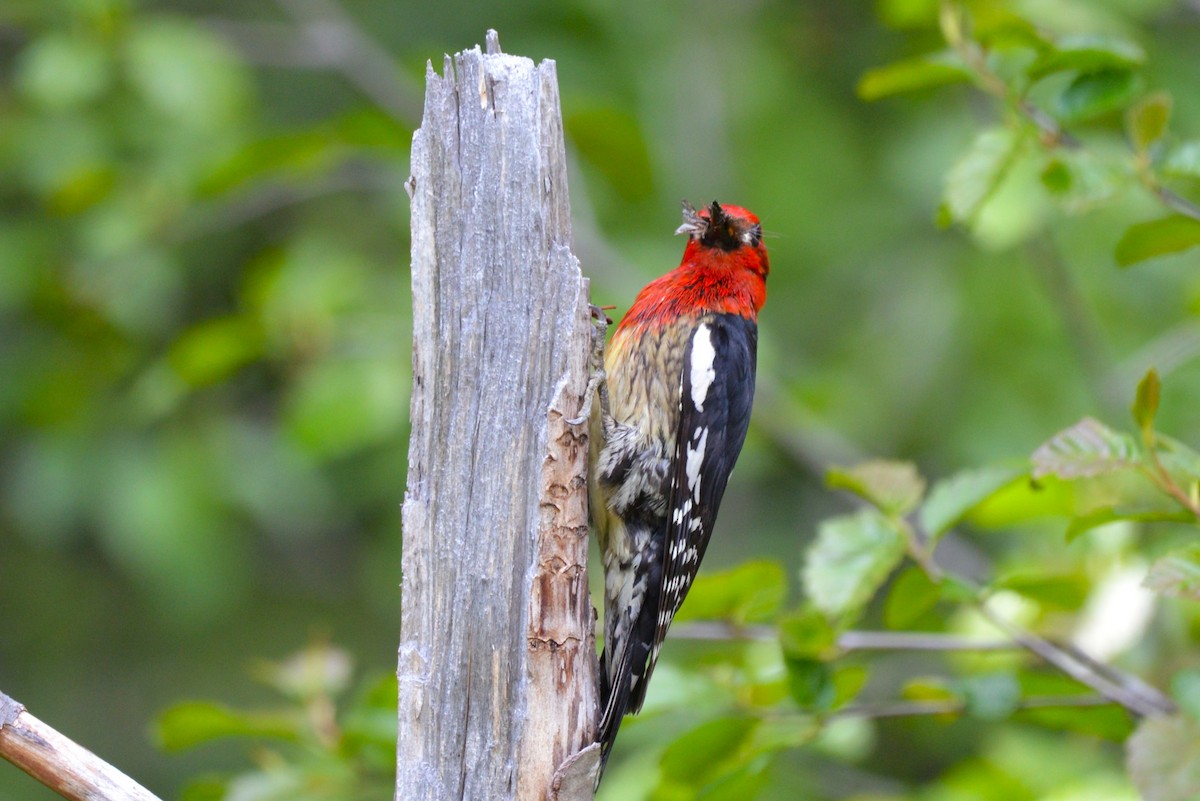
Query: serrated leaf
{"points": [[1160, 237], [1095, 93], [191, 723], [850, 560], [1088, 448], [953, 498], [1145, 403], [1163, 757], [1088, 53], [977, 174], [922, 72], [1177, 574], [912, 594], [1147, 120], [894, 487], [749, 593]]}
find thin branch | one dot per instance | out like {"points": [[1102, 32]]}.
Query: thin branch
{"points": [[1128, 691], [324, 36], [61, 764], [847, 641], [952, 707]]}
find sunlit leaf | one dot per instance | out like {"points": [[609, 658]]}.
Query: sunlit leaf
{"points": [[1088, 448], [1147, 120], [1096, 93], [953, 498], [1088, 53], [1163, 756], [1146, 240], [1183, 161], [895, 487], [751, 592], [850, 560], [1177, 573], [912, 594], [922, 72], [977, 174], [1111, 514], [1056, 589]]}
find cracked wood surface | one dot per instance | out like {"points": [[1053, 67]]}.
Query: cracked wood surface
{"points": [[497, 663]]}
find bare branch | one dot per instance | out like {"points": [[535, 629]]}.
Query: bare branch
{"points": [[952, 707], [61, 764]]}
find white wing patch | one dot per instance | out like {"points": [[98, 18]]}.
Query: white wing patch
{"points": [[695, 459], [703, 356]]}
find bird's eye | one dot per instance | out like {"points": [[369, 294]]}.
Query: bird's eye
{"points": [[753, 236]]}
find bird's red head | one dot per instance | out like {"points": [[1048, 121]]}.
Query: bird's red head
{"points": [[727, 235], [724, 270]]}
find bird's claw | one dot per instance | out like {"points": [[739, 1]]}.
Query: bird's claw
{"points": [[600, 323]]}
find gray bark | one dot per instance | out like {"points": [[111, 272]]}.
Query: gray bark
{"points": [[497, 661]]}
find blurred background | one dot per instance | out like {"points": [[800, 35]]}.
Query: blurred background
{"points": [[204, 307]]}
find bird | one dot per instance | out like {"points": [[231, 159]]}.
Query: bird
{"points": [[673, 414]]}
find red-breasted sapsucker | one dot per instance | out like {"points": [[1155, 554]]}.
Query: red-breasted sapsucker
{"points": [[680, 382]]}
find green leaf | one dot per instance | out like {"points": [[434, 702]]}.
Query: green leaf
{"points": [[1088, 53], [706, 751], [1177, 574], [1088, 448], [1146, 240], [211, 351], [850, 559], [977, 174], [1054, 589], [1095, 93], [848, 682], [895, 487], [1185, 689], [191, 723], [1163, 757], [749, 593], [807, 633], [1145, 404], [1183, 161], [953, 498], [1110, 514], [922, 72], [912, 595], [993, 696], [1147, 120], [811, 684]]}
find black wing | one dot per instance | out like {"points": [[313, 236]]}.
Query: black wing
{"points": [[716, 393]]}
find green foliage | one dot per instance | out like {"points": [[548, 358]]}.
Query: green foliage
{"points": [[313, 748], [851, 558], [203, 404]]}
